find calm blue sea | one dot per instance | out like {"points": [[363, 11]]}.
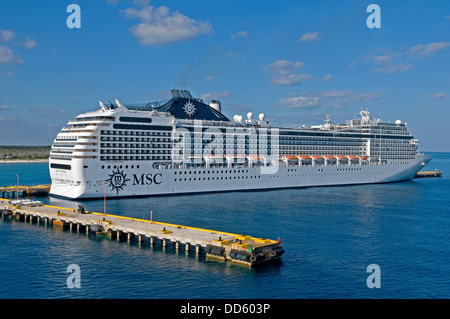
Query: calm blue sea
{"points": [[330, 235]]}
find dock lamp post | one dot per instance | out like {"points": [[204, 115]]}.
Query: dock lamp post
{"points": [[99, 183], [104, 199], [17, 191]]}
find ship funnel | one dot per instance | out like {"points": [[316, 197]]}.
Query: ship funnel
{"points": [[215, 104], [188, 94], [175, 93]]}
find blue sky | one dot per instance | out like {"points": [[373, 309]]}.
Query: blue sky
{"points": [[294, 61]]}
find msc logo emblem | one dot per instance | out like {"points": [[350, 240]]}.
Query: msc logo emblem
{"points": [[189, 108], [117, 180]]}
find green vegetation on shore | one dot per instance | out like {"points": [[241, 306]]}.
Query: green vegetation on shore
{"points": [[19, 152]]}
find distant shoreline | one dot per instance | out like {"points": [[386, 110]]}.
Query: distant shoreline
{"points": [[23, 161]]}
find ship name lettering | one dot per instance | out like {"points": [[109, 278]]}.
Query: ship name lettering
{"points": [[147, 179]]}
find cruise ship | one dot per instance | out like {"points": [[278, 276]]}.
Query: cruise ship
{"points": [[184, 145]]}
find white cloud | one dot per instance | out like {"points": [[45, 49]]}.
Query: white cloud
{"points": [[4, 107], [339, 99], [326, 78], [8, 119], [283, 72], [402, 59], [240, 34], [30, 43], [436, 96], [336, 93], [299, 102], [8, 57], [447, 16], [289, 79], [421, 50], [142, 3], [331, 99], [394, 69], [6, 75], [366, 97], [159, 26], [307, 37], [215, 96], [386, 58], [6, 35], [209, 78], [284, 67]]}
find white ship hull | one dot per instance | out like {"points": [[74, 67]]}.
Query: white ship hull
{"points": [[185, 146], [146, 181]]}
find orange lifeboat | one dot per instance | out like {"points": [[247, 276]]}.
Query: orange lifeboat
{"points": [[353, 157], [342, 157], [330, 157], [364, 158], [291, 157], [317, 157], [305, 157]]}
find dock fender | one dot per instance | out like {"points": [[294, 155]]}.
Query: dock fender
{"points": [[96, 228], [243, 255], [233, 253], [216, 250], [258, 257], [5, 212], [276, 252], [208, 248]]}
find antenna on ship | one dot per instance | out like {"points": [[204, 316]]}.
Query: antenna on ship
{"points": [[103, 106], [119, 104]]}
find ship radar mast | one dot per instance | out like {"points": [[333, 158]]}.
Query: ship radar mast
{"points": [[365, 116]]}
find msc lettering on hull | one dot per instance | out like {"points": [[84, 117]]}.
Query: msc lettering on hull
{"points": [[147, 179]]}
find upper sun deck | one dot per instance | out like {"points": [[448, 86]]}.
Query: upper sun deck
{"points": [[185, 111]]}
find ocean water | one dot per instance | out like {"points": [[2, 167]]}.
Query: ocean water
{"points": [[330, 236]]}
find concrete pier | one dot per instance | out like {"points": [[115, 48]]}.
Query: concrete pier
{"points": [[242, 249], [11, 191], [428, 174]]}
